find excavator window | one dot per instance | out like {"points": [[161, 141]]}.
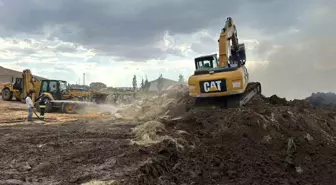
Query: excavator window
{"points": [[206, 62]]}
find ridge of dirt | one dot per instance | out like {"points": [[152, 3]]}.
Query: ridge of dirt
{"points": [[269, 141]]}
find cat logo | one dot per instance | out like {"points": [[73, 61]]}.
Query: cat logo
{"points": [[212, 86]]}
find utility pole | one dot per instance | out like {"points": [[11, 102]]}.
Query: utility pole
{"points": [[83, 78]]}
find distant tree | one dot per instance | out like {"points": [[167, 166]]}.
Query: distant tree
{"points": [[135, 83], [97, 85], [160, 83], [181, 79], [142, 85], [147, 85]]}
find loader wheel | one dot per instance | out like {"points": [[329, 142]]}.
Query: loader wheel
{"points": [[7, 95], [69, 108]]}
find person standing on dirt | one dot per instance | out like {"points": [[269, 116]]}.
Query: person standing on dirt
{"points": [[30, 104]]}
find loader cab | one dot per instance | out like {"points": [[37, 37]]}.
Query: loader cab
{"points": [[57, 88], [205, 62], [17, 83]]}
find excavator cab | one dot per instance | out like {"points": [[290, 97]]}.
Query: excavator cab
{"points": [[208, 61]]}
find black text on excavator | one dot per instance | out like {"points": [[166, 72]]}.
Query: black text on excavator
{"points": [[223, 81]]}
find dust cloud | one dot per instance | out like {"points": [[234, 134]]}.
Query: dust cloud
{"points": [[298, 69], [302, 59]]}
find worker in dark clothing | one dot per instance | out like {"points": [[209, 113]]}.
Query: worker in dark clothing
{"points": [[42, 106]]}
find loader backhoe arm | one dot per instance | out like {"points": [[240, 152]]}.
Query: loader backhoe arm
{"points": [[28, 83], [229, 32]]}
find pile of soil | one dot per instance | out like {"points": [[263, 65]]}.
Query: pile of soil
{"points": [[270, 141], [170, 103]]}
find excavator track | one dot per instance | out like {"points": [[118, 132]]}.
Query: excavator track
{"points": [[233, 101]]}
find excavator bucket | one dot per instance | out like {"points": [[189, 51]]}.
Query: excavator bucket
{"points": [[238, 56]]}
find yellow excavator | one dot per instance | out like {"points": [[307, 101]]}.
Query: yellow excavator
{"points": [[223, 81]]}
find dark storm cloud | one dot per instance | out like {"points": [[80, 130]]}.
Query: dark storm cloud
{"points": [[206, 45], [130, 29]]}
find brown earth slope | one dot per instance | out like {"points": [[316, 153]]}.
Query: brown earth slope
{"points": [[7, 74], [271, 141]]}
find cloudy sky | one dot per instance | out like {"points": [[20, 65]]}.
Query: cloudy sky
{"points": [[290, 42]]}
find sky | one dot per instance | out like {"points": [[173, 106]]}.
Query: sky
{"points": [[290, 43]]}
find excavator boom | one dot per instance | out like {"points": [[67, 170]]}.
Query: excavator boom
{"points": [[228, 32]]}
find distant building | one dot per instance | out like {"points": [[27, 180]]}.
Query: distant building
{"points": [[166, 83]]}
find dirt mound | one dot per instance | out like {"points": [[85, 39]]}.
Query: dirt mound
{"points": [[170, 103], [270, 141], [322, 100]]}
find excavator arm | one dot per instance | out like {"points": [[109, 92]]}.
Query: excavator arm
{"points": [[233, 52]]}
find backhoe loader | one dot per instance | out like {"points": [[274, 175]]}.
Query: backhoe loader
{"points": [[20, 87], [54, 93], [224, 81]]}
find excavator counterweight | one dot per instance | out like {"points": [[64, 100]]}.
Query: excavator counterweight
{"points": [[225, 80]]}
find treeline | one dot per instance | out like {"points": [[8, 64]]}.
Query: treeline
{"points": [[321, 99], [143, 86]]}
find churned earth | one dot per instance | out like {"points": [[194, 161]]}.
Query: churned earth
{"points": [[64, 149], [164, 140], [270, 141]]}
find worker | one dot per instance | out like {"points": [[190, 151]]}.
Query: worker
{"points": [[30, 105], [42, 105]]}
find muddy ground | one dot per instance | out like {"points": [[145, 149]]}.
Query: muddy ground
{"points": [[270, 141], [65, 149]]}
